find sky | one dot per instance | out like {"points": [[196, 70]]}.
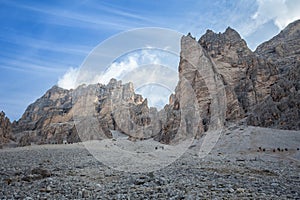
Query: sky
{"points": [[43, 43]]}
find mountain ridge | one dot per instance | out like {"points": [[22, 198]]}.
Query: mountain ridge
{"points": [[261, 86]]}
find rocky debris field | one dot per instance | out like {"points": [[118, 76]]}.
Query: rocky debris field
{"points": [[244, 168]]}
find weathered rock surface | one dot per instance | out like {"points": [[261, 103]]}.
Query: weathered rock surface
{"points": [[5, 129], [262, 86], [195, 107], [247, 77], [114, 107], [94, 109], [48, 120], [282, 107]]}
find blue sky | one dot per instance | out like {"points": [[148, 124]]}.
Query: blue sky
{"points": [[42, 40]]}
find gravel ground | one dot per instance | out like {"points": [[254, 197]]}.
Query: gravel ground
{"points": [[241, 166]]}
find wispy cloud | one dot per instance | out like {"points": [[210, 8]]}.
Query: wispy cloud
{"points": [[68, 80], [217, 16], [265, 19], [45, 45], [89, 18], [126, 67], [120, 11], [281, 12], [256, 20], [29, 66], [278, 12]]}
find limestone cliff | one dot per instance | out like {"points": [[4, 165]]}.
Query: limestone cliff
{"points": [[198, 102], [5, 129], [261, 87], [47, 120], [94, 109], [282, 107], [220, 80], [247, 77]]}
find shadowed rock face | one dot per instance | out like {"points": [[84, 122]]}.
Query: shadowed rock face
{"points": [[282, 107], [247, 76], [5, 129], [261, 86]]}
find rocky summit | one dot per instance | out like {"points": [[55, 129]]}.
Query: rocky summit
{"points": [[220, 81], [96, 108]]}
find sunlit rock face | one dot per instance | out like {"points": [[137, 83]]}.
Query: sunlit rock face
{"points": [[189, 113], [94, 109], [47, 120]]}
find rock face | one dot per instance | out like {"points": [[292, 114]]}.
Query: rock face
{"points": [[216, 64], [47, 120], [220, 80], [282, 107], [262, 85], [94, 109], [196, 106], [247, 77], [5, 129], [114, 107]]}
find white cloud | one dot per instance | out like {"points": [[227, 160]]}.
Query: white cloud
{"points": [[265, 19], [127, 66], [282, 12], [68, 81], [157, 95], [117, 69], [153, 73]]}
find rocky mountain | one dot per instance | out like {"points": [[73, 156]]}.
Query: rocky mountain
{"points": [[282, 107], [5, 129], [247, 77], [261, 87], [47, 120], [94, 109], [220, 80], [194, 108]]}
